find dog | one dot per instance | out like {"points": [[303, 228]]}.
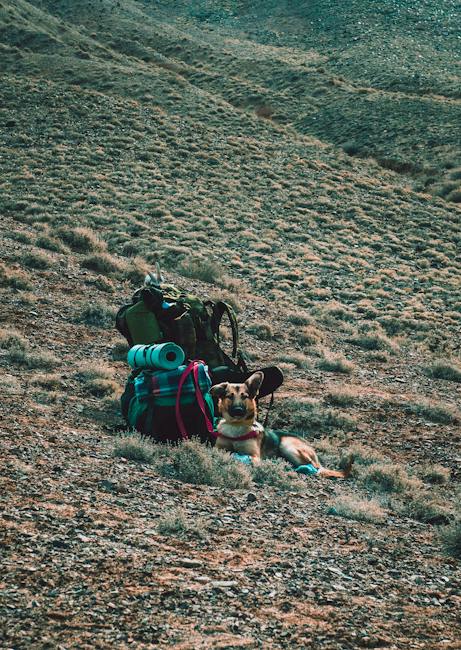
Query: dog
{"points": [[240, 432]]}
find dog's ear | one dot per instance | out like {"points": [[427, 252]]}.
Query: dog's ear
{"points": [[254, 382], [219, 390]]}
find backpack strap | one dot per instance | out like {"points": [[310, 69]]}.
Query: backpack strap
{"points": [[201, 402], [219, 309], [269, 408], [191, 368]]}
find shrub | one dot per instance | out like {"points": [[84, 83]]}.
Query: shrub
{"points": [[80, 240], [309, 335], [14, 279], [440, 413], [381, 477], [101, 263], [335, 363], [50, 244], [194, 463], [351, 507], [435, 474], [425, 509], [36, 261], [262, 331], [97, 314], [299, 319], [12, 339], [298, 359], [204, 270], [307, 416], [445, 370], [176, 524], [120, 351], [276, 473], [341, 396], [372, 342], [28, 359], [135, 447], [451, 538]]}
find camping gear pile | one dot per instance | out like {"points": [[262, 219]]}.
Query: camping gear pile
{"points": [[176, 356]]}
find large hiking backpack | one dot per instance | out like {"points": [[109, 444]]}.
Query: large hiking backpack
{"points": [[158, 315], [161, 314], [172, 405]]}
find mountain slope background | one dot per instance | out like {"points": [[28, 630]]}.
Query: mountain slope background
{"points": [[303, 162]]}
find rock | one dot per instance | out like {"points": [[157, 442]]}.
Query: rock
{"points": [[251, 497], [190, 563]]}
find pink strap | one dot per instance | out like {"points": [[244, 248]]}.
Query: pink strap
{"points": [[201, 403], [192, 367], [179, 420]]}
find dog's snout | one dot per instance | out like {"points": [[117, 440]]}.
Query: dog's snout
{"points": [[237, 411]]}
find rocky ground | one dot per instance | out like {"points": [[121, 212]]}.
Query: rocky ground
{"points": [[136, 131]]}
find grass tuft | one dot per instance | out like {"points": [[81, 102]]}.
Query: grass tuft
{"points": [[351, 507], [445, 369]]}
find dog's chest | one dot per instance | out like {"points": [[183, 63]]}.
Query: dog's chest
{"points": [[239, 437]]}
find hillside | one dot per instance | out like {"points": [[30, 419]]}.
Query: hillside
{"points": [[301, 160]]}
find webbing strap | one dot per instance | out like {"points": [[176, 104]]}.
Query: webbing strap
{"points": [[201, 402], [219, 309], [191, 368], [271, 404]]}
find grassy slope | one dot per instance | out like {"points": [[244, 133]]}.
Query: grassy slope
{"points": [[144, 126]]}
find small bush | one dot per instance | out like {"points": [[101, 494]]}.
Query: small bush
{"points": [[335, 363], [11, 339], [36, 261], [276, 473], [445, 370], [177, 524], [262, 331], [80, 240], [101, 263], [120, 351], [29, 359], [309, 335], [194, 463], [88, 372], [451, 538], [298, 359], [439, 413], [50, 244], [204, 270], [435, 474], [14, 279], [135, 447], [372, 342], [299, 319], [351, 507], [97, 314], [342, 396], [426, 509], [307, 416], [381, 477]]}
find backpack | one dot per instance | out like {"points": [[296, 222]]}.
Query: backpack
{"points": [[157, 315], [159, 403]]}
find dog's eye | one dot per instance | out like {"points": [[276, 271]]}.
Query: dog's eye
{"points": [[231, 397], [245, 396]]}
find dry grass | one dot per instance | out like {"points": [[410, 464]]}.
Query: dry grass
{"points": [[358, 509], [445, 369]]}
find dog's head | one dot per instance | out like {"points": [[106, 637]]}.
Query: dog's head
{"points": [[237, 402]]}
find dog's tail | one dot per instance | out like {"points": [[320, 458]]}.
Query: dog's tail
{"points": [[337, 473]]}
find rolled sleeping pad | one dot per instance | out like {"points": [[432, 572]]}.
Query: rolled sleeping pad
{"points": [[164, 356]]}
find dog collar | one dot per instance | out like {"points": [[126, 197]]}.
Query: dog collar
{"points": [[246, 436]]}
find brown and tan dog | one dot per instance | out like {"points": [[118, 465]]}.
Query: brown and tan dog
{"points": [[240, 432]]}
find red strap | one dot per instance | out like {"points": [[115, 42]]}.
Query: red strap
{"points": [[179, 420], [192, 367]]}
